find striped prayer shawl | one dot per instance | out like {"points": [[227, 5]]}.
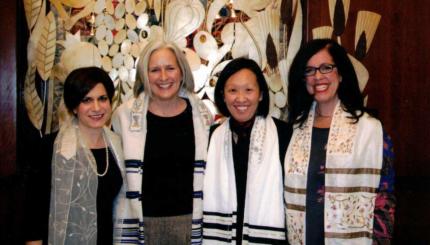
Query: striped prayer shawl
{"points": [[264, 210], [353, 166], [129, 121]]}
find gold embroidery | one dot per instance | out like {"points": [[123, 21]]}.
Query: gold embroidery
{"points": [[350, 189], [349, 212], [349, 235], [374, 171], [295, 190]]}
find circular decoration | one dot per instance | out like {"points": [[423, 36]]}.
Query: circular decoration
{"points": [[142, 21], [113, 50], [120, 36], [128, 61], [119, 10], [130, 21], [103, 47], [107, 63], [126, 46], [132, 35], [140, 8], [118, 60], [123, 73]]}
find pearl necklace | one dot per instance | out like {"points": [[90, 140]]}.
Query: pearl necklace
{"points": [[91, 159], [107, 159]]}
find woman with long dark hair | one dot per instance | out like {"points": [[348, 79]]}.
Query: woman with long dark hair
{"points": [[338, 167]]}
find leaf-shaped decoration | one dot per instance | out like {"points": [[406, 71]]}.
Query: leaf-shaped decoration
{"points": [[367, 22], [361, 71], [339, 18], [360, 49], [322, 32], [46, 47], [32, 101], [272, 57], [32, 10]]}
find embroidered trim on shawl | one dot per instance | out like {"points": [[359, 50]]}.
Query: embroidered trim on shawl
{"points": [[353, 167]]}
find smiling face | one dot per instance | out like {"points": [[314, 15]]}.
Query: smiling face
{"points": [[94, 110], [164, 75], [242, 95], [323, 86]]}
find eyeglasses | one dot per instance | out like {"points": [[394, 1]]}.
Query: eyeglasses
{"points": [[323, 68]]}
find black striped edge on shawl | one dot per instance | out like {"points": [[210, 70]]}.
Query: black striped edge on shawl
{"points": [[197, 221], [219, 226], [130, 232], [196, 231], [266, 234], [133, 166], [222, 227]]}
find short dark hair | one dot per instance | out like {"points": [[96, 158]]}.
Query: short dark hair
{"points": [[80, 82], [231, 68], [299, 99]]}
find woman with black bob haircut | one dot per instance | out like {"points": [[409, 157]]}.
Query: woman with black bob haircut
{"points": [[339, 174], [87, 190], [243, 184], [233, 67], [80, 81]]}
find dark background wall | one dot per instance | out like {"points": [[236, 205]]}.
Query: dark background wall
{"points": [[398, 63]]}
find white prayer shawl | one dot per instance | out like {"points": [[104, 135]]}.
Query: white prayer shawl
{"points": [[129, 121], [73, 214], [264, 217], [352, 175]]}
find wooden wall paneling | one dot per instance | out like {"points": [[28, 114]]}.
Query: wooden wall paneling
{"points": [[11, 192], [398, 63], [8, 92]]}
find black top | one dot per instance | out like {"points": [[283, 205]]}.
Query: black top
{"points": [[167, 182], [38, 192], [316, 178], [241, 133], [107, 189]]}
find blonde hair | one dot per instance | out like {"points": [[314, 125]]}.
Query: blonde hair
{"points": [[142, 80]]}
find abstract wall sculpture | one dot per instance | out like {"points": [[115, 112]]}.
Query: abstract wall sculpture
{"points": [[366, 26], [111, 33]]}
